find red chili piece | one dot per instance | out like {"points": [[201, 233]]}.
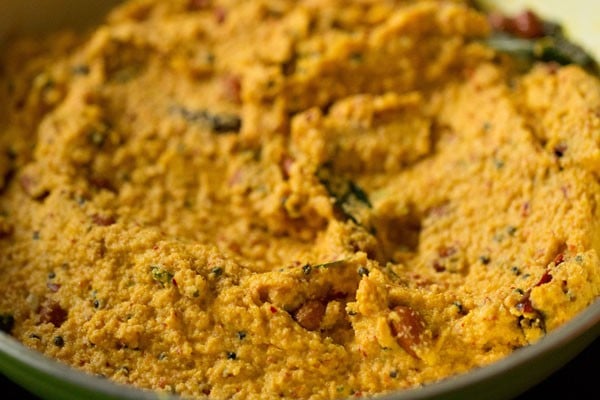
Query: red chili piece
{"points": [[231, 88], [559, 259], [286, 166], [220, 15], [53, 287], [194, 5], [51, 311], [545, 278], [525, 304], [526, 25], [103, 220]]}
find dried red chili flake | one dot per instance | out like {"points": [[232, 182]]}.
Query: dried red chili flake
{"points": [[231, 88], [438, 211], [53, 287], [314, 114], [6, 229], [103, 220], [32, 187], [552, 67], [235, 178], [220, 14], [438, 267], [544, 279], [27, 183], [195, 5], [162, 382], [101, 183], [525, 305], [499, 21], [446, 251], [286, 166], [527, 25], [273, 309], [51, 311], [559, 259], [525, 209]]}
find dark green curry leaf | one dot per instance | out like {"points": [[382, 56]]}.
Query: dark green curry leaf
{"points": [[217, 122], [351, 201], [329, 264], [529, 38], [161, 275], [564, 52]]}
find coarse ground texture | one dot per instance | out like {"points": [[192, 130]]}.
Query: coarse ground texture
{"points": [[297, 199]]}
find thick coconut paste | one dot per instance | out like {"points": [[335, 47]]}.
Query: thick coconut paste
{"points": [[296, 199]]}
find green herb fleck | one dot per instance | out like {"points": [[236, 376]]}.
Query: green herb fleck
{"points": [[161, 275], [80, 69], [97, 137], [218, 123], [564, 52], [306, 269], [356, 58], [329, 264]]}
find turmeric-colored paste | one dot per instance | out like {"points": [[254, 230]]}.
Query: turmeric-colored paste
{"points": [[297, 199]]}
